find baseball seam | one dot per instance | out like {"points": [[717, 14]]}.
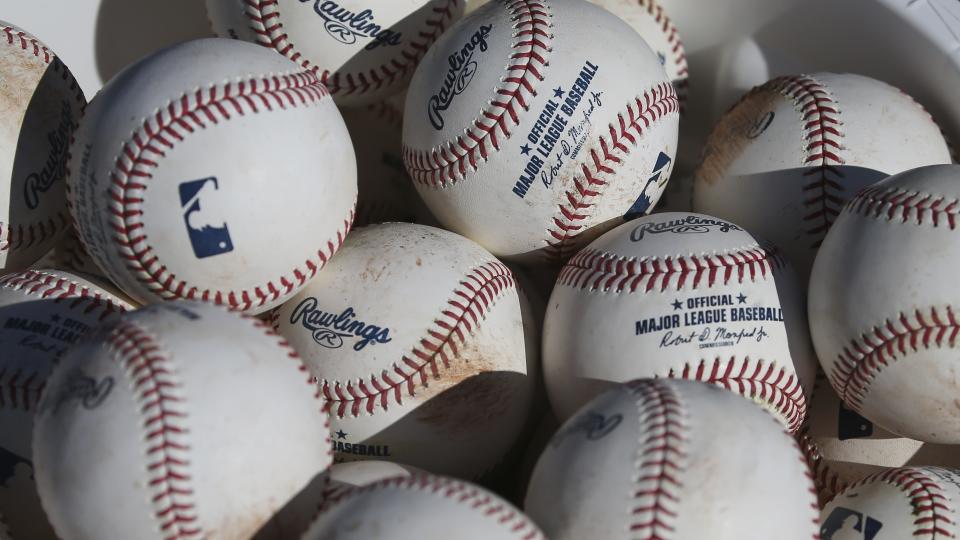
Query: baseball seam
{"points": [[820, 116], [814, 505], [926, 497], [170, 125], [447, 163], [22, 390], [606, 154], [682, 84], [826, 480], [592, 270], [24, 236], [160, 400], [462, 313], [770, 383], [265, 21], [462, 493], [879, 202], [660, 460], [863, 358]]}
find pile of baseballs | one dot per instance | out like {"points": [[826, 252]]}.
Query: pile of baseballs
{"points": [[362, 269]]}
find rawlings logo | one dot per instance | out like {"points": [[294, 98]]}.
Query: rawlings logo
{"points": [[687, 225], [85, 389], [347, 27], [330, 329], [41, 182], [459, 75], [593, 425]]}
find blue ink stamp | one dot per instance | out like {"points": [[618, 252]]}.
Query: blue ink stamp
{"points": [[206, 226], [844, 523]]}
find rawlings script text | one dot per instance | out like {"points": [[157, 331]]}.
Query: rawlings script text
{"points": [[41, 182], [329, 329], [459, 74], [347, 27], [687, 225]]}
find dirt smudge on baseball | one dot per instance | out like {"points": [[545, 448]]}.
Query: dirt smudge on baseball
{"points": [[731, 136]]}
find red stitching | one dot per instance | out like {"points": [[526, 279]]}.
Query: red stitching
{"points": [[753, 379], [264, 17], [930, 510], [820, 115], [484, 503], [161, 132], [158, 395], [828, 483], [464, 311], [607, 154], [23, 237], [863, 358], [448, 162], [660, 460], [591, 269], [893, 203], [682, 85]]}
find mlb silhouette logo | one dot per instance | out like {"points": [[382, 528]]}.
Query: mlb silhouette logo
{"points": [[846, 524], [642, 204], [203, 216]]}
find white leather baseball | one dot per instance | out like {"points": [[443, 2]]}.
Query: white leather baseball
{"points": [[533, 125], [843, 447], [416, 337], [213, 170], [362, 50], [41, 103], [419, 507], [883, 304], [679, 295], [385, 192], [42, 312], [672, 459], [651, 21], [179, 420], [911, 502], [786, 158]]}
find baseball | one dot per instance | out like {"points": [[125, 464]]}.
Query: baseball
{"points": [[150, 428], [882, 300], [683, 296], [213, 170], [418, 507], [844, 447], [655, 458], [42, 313], [786, 158], [911, 502], [416, 338], [526, 132], [362, 50], [653, 24], [41, 103]]}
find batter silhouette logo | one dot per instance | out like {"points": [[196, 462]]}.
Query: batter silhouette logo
{"points": [[847, 524], [661, 173], [201, 204]]}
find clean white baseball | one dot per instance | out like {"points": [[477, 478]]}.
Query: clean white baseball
{"points": [[213, 170], [653, 24], [843, 447], [883, 308], [41, 103], [362, 50], [911, 502], [679, 295], [42, 313], [786, 158], [179, 420], [385, 192], [418, 507], [533, 125], [415, 335], [672, 459]]}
